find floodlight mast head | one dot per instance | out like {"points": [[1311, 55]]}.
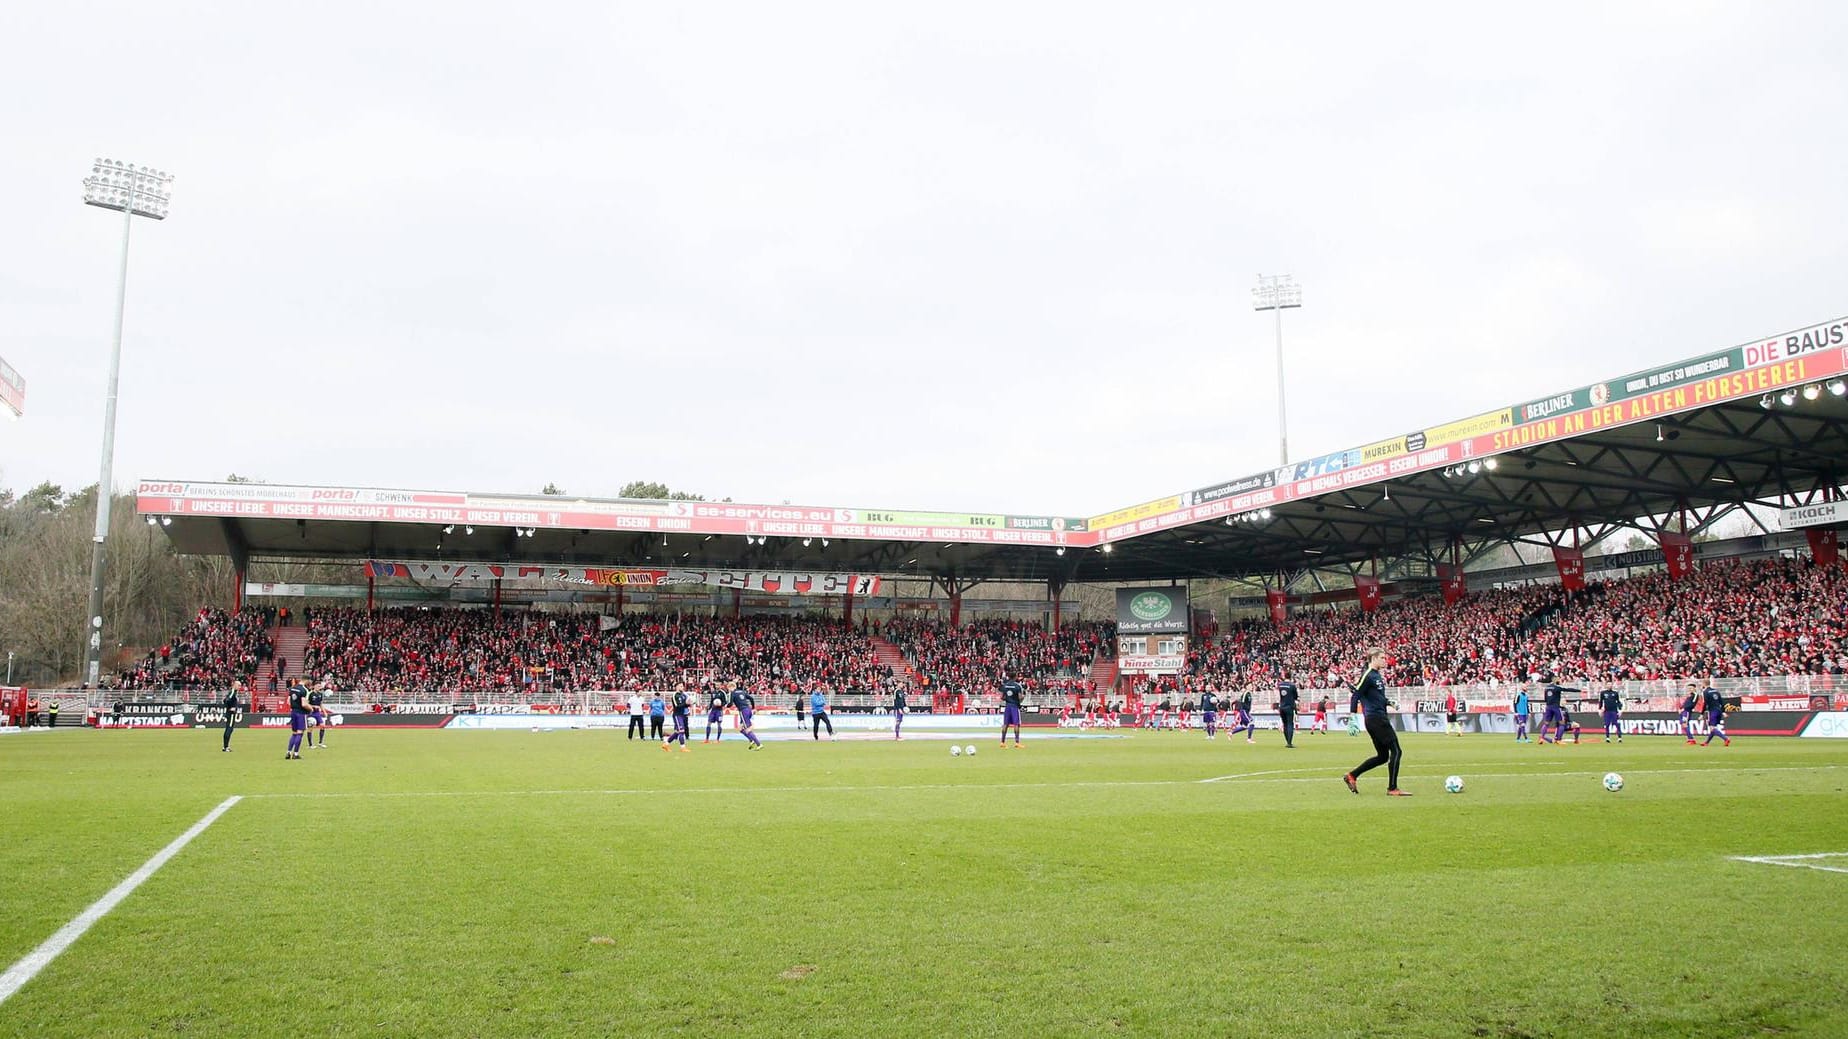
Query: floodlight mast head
{"points": [[1276, 292], [125, 187]]}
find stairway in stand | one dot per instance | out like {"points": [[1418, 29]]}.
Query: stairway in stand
{"points": [[1103, 675], [291, 645], [889, 655]]}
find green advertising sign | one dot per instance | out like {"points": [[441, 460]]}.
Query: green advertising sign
{"points": [[1634, 385], [1151, 611]]}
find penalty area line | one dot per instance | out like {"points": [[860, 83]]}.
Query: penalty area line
{"points": [[31, 963]]}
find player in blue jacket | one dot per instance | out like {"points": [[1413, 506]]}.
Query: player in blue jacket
{"points": [[818, 713]]}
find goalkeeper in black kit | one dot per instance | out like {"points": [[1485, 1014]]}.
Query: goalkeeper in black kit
{"points": [[1369, 700]]}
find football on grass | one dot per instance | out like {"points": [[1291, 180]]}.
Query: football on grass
{"points": [[1453, 785], [1613, 782]]}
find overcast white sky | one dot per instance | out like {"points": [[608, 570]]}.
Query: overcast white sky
{"points": [[983, 256]]}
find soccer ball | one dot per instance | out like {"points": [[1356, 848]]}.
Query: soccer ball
{"points": [[1613, 782], [969, 750], [1453, 785], [955, 751]]}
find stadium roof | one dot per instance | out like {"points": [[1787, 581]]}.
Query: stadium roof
{"points": [[1765, 421]]}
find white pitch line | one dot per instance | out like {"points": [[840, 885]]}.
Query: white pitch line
{"points": [[31, 963], [1253, 775], [1792, 860], [1542, 768], [1322, 773], [627, 791], [1272, 776]]}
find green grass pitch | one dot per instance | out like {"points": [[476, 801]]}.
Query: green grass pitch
{"points": [[571, 883]]}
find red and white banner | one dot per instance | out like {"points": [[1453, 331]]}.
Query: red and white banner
{"points": [[1825, 545], [1279, 602], [1368, 589], [1786, 702], [1455, 586], [1677, 554], [1571, 564], [608, 577]]}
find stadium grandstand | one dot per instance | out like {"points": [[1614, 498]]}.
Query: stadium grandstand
{"points": [[1379, 544]]}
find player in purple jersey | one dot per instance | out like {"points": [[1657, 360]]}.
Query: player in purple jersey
{"points": [[318, 712], [746, 706], [298, 720], [1011, 692], [1209, 714], [1715, 706], [1241, 719], [1555, 717], [1687, 712], [1610, 707], [679, 706], [715, 716]]}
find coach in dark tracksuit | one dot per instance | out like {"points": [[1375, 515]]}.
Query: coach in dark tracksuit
{"points": [[1286, 710], [1370, 699]]}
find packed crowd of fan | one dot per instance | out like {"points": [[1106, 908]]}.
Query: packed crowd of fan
{"points": [[1762, 617], [214, 649], [1766, 617], [975, 658], [412, 651]]}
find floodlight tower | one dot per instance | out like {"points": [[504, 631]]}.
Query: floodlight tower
{"points": [[132, 191], [1277, 293]]}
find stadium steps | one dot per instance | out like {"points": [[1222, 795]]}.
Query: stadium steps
{"points": [[1103, 674], [888, 654], [290, 645]]}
